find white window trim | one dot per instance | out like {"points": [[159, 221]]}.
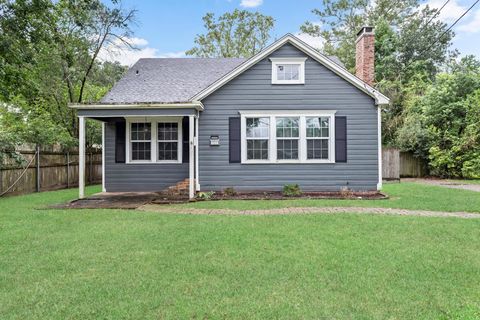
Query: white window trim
{"points": [[154, 141], [299, 139], [280, 61], [272, 144]]}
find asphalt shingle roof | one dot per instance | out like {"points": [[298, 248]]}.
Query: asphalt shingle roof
{"points": [[168, 80]]}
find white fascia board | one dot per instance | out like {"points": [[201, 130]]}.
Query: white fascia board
{"points": [[380, 99], [197, 105]]}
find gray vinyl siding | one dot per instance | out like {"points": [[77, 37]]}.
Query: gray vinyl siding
{"points": [[138, 177], [323, 90]]}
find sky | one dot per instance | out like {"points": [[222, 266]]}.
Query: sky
{"points": [[167, 28]]}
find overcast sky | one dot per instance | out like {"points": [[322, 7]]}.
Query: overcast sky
{"points": [[167, 28]]}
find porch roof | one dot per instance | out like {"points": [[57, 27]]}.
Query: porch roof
{"points": [[109, 110]]}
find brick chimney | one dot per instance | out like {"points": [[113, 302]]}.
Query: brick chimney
{"points": [[365, 55]]}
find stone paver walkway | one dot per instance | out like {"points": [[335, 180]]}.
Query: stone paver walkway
{"points": [[447, 183], [316, 210]]}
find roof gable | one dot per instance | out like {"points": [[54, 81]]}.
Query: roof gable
{"points": [[305, 48]]}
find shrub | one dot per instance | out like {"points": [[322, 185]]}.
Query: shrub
{"points": [[291, 190], [229, 192], [345, 192], [205, 195]]}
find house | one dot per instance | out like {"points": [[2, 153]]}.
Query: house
{"points": [[287, 115]]}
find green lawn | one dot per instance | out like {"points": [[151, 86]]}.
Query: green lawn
{"points": [[121, 264], [406, 195]]}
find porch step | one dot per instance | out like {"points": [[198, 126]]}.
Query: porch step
{"points": [[181, 188]]}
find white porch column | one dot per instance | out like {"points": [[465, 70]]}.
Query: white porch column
{"points": [[380, 157], [103, 157], [191, 162], [81, 157], [197, 179]]}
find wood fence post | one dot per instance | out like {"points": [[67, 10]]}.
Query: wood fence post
{"points": [[37, 171], [68, 169], [90, 169], [1, 177]]}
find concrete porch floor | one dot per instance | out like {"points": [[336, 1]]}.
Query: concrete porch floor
{"points": [[121, 200]]}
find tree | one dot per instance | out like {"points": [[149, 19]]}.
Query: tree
{"points": [[240, 33], [442, 126], [411, 46], [49, 55]]}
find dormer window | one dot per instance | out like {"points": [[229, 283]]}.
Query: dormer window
{"points": [[288, 70]]}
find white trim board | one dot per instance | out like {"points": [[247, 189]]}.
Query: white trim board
{"points": [[197, 105], [380, 99]]}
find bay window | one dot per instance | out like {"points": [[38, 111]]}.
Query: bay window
{"points": [[288, 136]]}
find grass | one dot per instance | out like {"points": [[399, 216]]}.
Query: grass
{"points": [[405, 195], [121, 264]]}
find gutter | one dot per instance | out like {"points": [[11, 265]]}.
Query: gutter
{"points": [[197, 105]]}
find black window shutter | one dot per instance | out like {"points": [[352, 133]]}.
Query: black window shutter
{"points": [[120, 131], [340, 139], [234, 140], [185, 137]]}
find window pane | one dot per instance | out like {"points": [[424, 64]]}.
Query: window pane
{"points": [[257, 127], [141, 131], [318, 127], [317, 149], [168, 131], [141, 151], [287, 149], [280, 72], [295, 72], [288, 72], [167, 151], [287, 127], [257, 149]]}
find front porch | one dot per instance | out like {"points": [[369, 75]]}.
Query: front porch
{"points": [[145, 148]]}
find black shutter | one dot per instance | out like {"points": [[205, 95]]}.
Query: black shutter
{"points": [[185, 137], [340, 139], [234, 140], [120, 142]]}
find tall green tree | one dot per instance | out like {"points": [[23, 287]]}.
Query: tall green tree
{"points": [[442, 126], [49, 58], [240, 33], [411, 46]]}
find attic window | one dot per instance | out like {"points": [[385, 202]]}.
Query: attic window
{"points": [[288, 70]]}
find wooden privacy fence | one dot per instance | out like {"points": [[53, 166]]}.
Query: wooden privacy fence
{"points": [[397, 164], [48, 170]]}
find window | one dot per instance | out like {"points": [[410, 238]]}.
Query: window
{"points": [[154, 140], [167, 141], [257, 137], [141, 137], [288, 136], [288, 70], [317, 137]]}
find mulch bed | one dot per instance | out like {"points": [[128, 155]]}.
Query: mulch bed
{"points": [[278, 195], [135, 200]]}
